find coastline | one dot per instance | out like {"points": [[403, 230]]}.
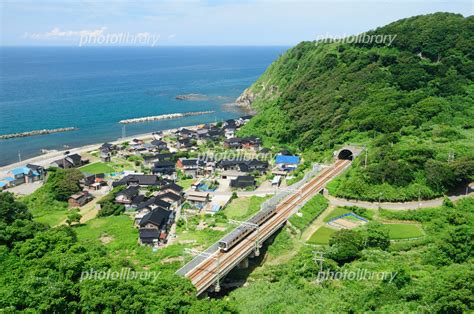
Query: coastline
{"points": [[45, 159]]}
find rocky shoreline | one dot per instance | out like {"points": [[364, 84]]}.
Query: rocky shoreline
{"points": [[36, 132]]}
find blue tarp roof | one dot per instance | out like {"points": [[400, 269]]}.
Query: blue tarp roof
{"points": [[2, 184], [9, 179], [282, 159], [23, 170]]}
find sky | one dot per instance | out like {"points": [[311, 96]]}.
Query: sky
{"points": [[192, 22]]}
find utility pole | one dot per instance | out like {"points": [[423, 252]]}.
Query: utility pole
{"points": [[366, 152], [123, 132], [214, 256], [19, 156]]}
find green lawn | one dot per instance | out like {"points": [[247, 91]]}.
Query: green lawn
{"points": [[338, 211], [321, 236], [97, 167], [404, 231], [243, 207], [185, 183]]}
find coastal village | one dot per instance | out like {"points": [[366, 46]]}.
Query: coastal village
{"points": [[171, 177]]}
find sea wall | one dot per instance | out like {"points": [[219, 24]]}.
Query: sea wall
{"points": [[165, 117], [36, 132]]}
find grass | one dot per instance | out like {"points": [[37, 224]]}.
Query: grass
{"points": [[45, 208], [338, 211], [97, 167], [117, 230], [243, 207], [309, 212], [404, 231], [185, 183], [321, 236]]}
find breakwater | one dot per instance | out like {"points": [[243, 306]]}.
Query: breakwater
{"points": [[36, 132], [165, 117]]}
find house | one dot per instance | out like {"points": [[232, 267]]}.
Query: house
{"points": [[234, 142], [190, 167], [243, 165], [254, 165], [244, 119], [70, 161], [159, 144], [184, 143], [109, 147], [173, 188], [173, 199], [242, 182], [165, 168], [126, 196], [251, 142], [105, 155], [287, 163], [185, 133], [154, 226], [26, 174], [231, 174], [198, 199], [79, 199], [152, 203], [164, 156], [142, 180], [39, 169], [93, 181]]}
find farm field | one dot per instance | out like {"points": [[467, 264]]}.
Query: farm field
{"points": [[404, 231]]}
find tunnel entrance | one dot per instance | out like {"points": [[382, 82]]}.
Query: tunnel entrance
{"points": [[345, 154]]}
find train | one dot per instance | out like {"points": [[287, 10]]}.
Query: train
{"points": [[238, 234], [243, 230]]}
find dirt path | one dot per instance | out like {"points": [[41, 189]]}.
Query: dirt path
{"points": [[88, 212], [316, 224]]}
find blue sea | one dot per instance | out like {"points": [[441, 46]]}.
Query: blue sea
{"points": [[94, 88]]}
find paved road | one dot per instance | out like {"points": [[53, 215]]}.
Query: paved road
{"points": [[388, 205]]}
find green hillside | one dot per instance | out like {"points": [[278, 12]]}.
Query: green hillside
{"points": [[411, 103]]}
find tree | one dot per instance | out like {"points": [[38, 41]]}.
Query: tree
{"points": [[73, 217], [345, 245], [377, 236]]}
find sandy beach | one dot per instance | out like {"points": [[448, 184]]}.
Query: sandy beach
{"points": [[46, 159]]}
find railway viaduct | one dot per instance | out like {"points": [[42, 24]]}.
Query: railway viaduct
{"points": [[207, 269]]}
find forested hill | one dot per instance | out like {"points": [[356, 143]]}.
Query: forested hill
{"points": [[411, 102]]}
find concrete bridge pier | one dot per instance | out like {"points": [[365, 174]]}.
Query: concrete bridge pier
{"points": [[244, 263]]}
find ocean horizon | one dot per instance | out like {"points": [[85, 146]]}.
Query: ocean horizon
{"points": [[93, 88]]}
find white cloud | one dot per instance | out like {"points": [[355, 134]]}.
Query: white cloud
{"points": [[56, 32]]}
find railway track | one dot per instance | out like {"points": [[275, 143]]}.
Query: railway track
{"points": [[206, 273]]}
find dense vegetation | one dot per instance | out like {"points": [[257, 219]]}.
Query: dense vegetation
{"points": [[431, 275], [42, 269], [410, 103], [49, 204]]}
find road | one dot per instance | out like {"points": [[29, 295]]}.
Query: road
{"points": [[388, 205]]}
